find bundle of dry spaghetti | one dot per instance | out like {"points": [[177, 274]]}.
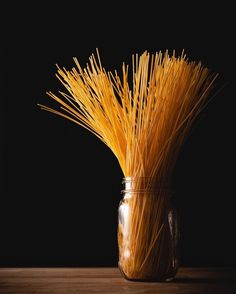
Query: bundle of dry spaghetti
{"points": [[145, 126]]}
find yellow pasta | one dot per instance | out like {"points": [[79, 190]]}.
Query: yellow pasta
{"points": [[144, 125]]}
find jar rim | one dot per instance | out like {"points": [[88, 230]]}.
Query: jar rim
{"points": [[146, 184]]}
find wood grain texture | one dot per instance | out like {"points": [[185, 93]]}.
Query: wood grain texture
{"points": [[109, 280]]}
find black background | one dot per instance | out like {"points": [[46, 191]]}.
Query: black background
{"points": [[61, 186]]}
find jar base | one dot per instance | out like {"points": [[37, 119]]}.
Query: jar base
{"points": [[151, 280]]}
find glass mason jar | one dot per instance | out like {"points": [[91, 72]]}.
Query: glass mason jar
{"points": [[148, 232]]}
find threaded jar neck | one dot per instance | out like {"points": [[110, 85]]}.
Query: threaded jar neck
{"points": [[144, 184]]}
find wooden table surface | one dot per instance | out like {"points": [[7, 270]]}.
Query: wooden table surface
{"points": [[109, 280]]}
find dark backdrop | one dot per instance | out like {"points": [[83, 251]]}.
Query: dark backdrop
{"points": [[61, 186]]}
